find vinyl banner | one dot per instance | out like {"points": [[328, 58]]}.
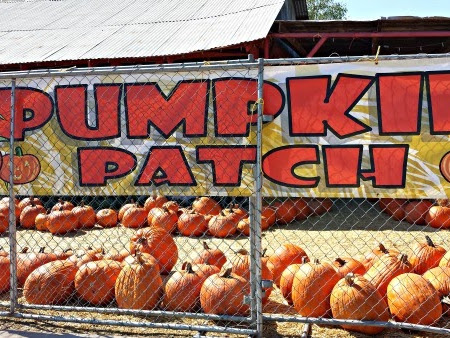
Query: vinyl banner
{"points": [[331, 130]]}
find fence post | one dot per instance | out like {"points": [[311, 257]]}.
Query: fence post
{"points": [[12, 207]]}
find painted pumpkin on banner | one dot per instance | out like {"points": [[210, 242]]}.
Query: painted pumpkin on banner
{"points": [[26, 167]]}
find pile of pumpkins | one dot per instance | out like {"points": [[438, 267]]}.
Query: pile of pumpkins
{"points": [[204, 216], [420, 212], [385, 284]]}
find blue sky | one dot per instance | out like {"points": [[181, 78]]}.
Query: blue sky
{"points": [[374, 9]]}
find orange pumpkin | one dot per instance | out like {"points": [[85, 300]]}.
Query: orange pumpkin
{"points": [[287, 278], [206, 206], [171, 205], [41, 222], [244, 225], [139, 286], [210, 256], [4, 208], [345, 265], [354, 297], [28, 215], [439, 277], [205, 270], [4, 223], [376, 253], [438, 217], [416, 212], [51, 283], [63, 205], [286, 212], [182, 290], [106, 218], [426, 255], [4, 273], [412, 299], [223, 294], [320, 206], [302, 209], [164, 218], [124, 208], [85, 256], [29, 201], [311, 289], [85, 215], [133, 259], [284, 256], [393, 207], [95, 281], [223, 225], [269, 213], [158, 243], [156, 201], [236, 209], [385, 269], [241, 267], [117, 255], [134, 217], [192, 223], [61, 222]]}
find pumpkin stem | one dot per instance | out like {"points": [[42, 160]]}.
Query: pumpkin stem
{"points": [[166, 209], [222, 213], [304, 260], [139, 258], [18, 151], [350, 278], [340, 261], [67, 250], [404, 258], [263, 253], [141, 240], [42, 249], [429, 241], [226, 273], [188, 267], [316, 261], [61, 208], [205, 246], [382, 248], [25, 250], [242, 252], [82, 203]]}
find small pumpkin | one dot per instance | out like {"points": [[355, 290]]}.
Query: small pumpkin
{"points": [[158, 243], [416, 212], [311, 289], [85, 256], [426, 255], [223, 294], [192, 223], [438, 217], [182, 290], [85, 215], [63, 205], [4, 223], [124, 208], [172, 206], [345, 265], [29, 201], [286, 212], [164, 218], [4, 208], [61, 222], [244, 225], [284, 256], [223, 225], [210, 256], [355, 298], [237, 210], [269, 213], [302, 209], [41, 222], [51, 283], [287, 278], [4, 273], [95, 281], [412, 299], [206, 206], [241, 267], [139, 286], [320, 206], [106, 218], [134, 217], [393, 207], [376, 253], [29, 213], [156, 201], [385, 269]]}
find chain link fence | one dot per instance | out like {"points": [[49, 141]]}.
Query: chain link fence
{"points": [[218, 197]]}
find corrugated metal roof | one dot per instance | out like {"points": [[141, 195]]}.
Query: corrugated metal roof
{"points": [[35, 31]]}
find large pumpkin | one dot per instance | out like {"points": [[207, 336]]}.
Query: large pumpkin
{"points": [[439, 277], [182, 290], [286, 280], [134, 217], [158, 243], [4, 223], [223, 225], [4, 273], [416, 212], [302, 209], [210, 256], [192, 223], [311, 289], [107, 218], [156, 201], [376, 253], [124, 208], [236, 209], [445, 260], [28, 201], [51, 283], [345, 265], [82, 257], [393, 207], [385, 269], [139, 285], [412, 299], [205, 270], [270, 213], [206, 206], [29, 213], [286, 211], [164, 218], [241, 267], [41, 222], [85, 215], [244, 225], [61, 222], [284, 256], [354, 297], [224, 293], [4, 208], [95, 281], [63, 205], [438, 217], [426, 255]]}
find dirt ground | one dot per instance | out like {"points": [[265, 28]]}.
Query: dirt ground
{"points": [[352, 229]]}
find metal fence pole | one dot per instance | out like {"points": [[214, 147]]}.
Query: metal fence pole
{"points": [[12, 207]]}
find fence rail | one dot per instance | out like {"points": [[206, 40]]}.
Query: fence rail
{"points": [[176, 181]]}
